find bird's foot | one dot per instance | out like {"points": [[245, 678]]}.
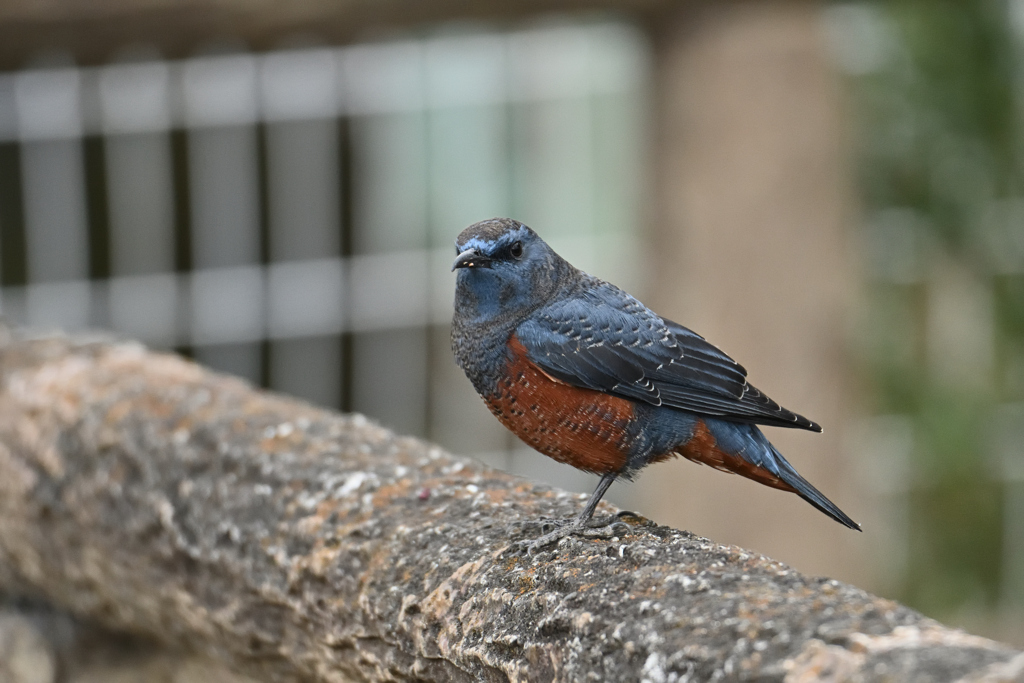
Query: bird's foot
{"points": [[555, 530]]}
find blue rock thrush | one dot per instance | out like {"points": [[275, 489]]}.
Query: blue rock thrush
{"points": [[589, 376]]}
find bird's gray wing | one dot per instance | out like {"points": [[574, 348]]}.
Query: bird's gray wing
{"points": [[604, 339]]}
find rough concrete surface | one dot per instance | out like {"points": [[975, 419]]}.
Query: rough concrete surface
{"points": [[147, 496]]}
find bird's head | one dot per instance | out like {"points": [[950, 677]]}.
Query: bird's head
{"points": [[505, 270]]}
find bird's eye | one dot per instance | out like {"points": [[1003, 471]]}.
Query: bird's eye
{"points": [[516, 250]]}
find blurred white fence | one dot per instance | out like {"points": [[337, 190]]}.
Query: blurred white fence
{"points": [[289, 216]]}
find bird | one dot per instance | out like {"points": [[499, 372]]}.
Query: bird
{"points": [[588, 375]]}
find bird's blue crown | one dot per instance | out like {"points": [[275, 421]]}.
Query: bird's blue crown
{"points": [[490, 241]]}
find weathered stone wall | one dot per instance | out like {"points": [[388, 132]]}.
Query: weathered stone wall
{"points": [[146, 496]]}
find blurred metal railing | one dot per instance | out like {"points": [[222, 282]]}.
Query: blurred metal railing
{"points": [[289, 216]]}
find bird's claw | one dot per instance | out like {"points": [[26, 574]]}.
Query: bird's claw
{"points": [[615, 528], [554, 530]]}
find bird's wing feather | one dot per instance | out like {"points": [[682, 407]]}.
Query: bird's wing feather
{"points": [[604, 339]]}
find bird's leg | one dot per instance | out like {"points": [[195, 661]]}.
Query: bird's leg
{"points": [[583, 524], [585, 518]]}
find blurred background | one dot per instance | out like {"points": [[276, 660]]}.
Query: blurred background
{"points": [[831, 192]]}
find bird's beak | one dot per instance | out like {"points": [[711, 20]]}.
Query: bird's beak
{"points": [[471, 258]]}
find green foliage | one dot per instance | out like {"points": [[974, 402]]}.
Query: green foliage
{"points": [[940, 141], [954, 529], [942, 116]]}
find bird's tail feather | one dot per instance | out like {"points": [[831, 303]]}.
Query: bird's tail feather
{"points": [[805, 490], [743, 449]]}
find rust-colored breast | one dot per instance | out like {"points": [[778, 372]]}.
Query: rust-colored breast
{"points": [[581, 427], [703, 448]]}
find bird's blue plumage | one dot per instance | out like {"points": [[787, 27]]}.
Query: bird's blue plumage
{"points": [[529, 327]]}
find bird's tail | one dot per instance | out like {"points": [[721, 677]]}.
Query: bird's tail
{"points": [[805, 490], [743, 449]]}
